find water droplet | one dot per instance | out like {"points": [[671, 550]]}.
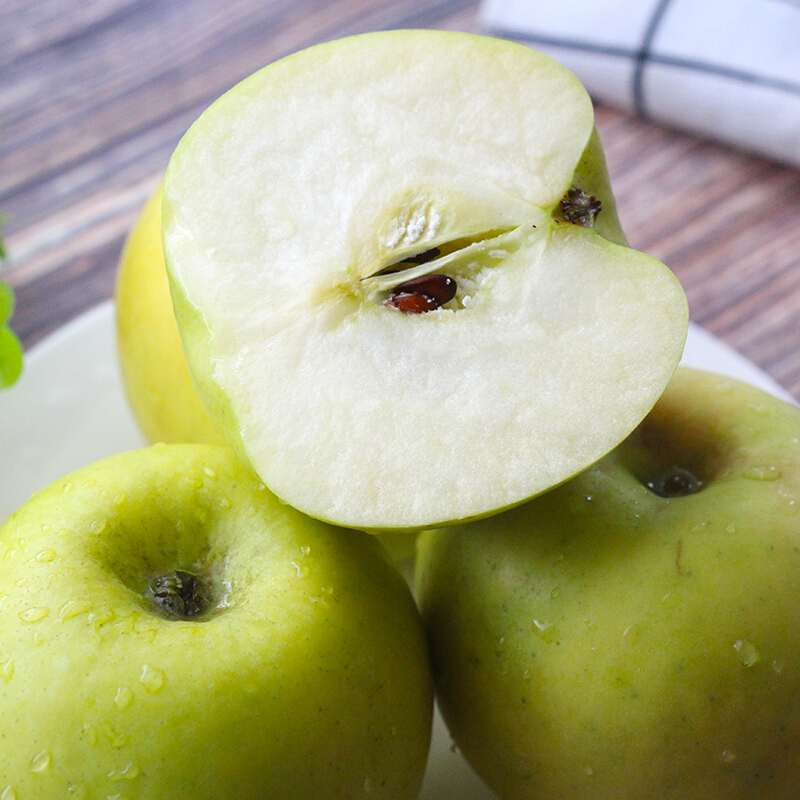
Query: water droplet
{"points": [[748, 655], [588, 770], [128, 773], [38, 639], [124, 697], [210, 472], [225, 504], [102, 617], [555, 593], [8, 670], [728, 757], [302, 569], [120, 499], [90, 734], [98, 526], [34, 614], [152, 679], [367, 785], [72, 608], [8, 794], [78, 791], [731, 528], [195, 483], [43, 556], [40, 762], [68, 487], [546, 631], [116, 738], [777, 666], [762, 473]]}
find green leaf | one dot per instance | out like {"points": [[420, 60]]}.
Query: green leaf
{"points": [[10, 347]]}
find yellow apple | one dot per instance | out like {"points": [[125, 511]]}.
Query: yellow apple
{"points": [[155, 377]]}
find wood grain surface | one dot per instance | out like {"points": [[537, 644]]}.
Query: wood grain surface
{"points": [[94, 96]]}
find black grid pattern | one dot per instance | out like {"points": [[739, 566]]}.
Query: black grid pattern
{"points": [[652, 52]]}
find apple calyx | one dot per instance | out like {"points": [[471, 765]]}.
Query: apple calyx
{"points": [[675, 482], [579, 208], [182, 594]]}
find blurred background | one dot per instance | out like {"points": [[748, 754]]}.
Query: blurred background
{"points": [[94, 96]]}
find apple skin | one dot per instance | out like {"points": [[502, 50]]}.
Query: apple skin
{"points": [[311, 680], [604, 642], [155, 376]]}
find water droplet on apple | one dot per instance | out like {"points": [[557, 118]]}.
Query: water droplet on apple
{"points": [[34, 614], [728, 757], [555, 593], [128, 773], [100, 618], [40, 762], [46, 555], [777, 666], [117, 739], [98, 526], [72, 608], [90, 734], [123, 698], [748, 655], [78, 791], [8, 670], [367, 785], [120, 500], [152, 679], [225, 504], [210, 472], [588, 770], [762, 473], [9, 793]]}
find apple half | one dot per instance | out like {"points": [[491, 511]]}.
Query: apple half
{"points": [[400, 280]]}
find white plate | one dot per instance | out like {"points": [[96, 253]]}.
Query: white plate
{"points": [[68, 409]]}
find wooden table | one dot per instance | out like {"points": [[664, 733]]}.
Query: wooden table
{"points": [[95, 94]]}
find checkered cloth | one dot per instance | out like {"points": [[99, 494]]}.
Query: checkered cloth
{"points": [[728, 69]]}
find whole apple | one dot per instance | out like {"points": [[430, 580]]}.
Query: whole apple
{"points": [[170, 631], [634, 633], [401, 284], [154, 374]]}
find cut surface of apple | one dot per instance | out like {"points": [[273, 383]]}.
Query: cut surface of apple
{"points": [[401, 284]]}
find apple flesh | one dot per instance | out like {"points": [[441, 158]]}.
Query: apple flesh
{"points": [[169, 629], [304, 202], [633, 633]]}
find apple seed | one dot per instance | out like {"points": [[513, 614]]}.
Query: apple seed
{"points": [[579, 207], [181, 594], [675, 482], [426, 293]]}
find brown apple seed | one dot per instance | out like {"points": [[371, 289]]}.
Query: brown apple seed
{"points": [[426, 293]]}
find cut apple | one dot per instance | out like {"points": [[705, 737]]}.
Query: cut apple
{"points": [[401, 284]]}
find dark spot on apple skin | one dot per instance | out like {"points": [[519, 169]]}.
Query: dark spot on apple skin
{"points": [[675, 482], [419, 295], [181, 594]]}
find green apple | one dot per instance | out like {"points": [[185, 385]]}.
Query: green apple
{"points": [[634, 633], [171, 631], [154, 374], [401, 284]]}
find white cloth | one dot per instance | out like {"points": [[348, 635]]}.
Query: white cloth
{"points": [[728, 69]]}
